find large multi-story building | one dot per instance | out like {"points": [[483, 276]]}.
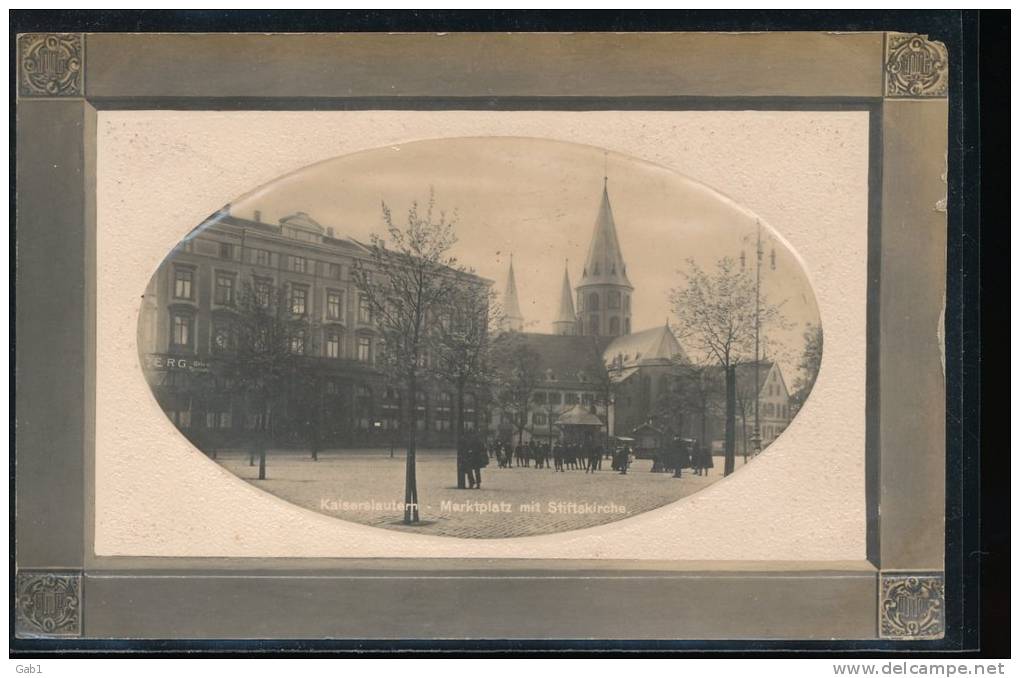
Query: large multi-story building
{"points": [[185, 325]]}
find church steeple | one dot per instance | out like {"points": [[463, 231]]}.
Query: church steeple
{"points": [[604, 292], [605, 264], [566, 319], [513, 320]]}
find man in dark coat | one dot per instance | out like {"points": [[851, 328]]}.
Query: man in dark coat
{"points": [[681, 455], [594, 456], [478, 459]]}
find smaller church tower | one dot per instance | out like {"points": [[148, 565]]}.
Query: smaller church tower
{"points": [[566, 320], [513, 320]]}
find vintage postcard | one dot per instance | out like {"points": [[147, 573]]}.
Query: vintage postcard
{"points": [[585, 327]]}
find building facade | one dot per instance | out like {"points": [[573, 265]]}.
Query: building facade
{"points": [[702, 414], [569, 372], [185, 333]]}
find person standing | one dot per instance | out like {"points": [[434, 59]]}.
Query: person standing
{"points": [[706, 458], [478, 459], [594, 457], [463, 463], [682, 456]]}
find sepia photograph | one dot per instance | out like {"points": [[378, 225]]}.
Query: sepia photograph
{"points": [[481, 337], [533, 338]]}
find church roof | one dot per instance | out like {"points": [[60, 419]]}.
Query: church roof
{"points": [[566, 310], [605, 264], [578, 416], [566, 360], [654, 346], [511, 306], [745, 373]]}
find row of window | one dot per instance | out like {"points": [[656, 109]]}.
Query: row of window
{"points": [[268, 259], [557, 398], [224, 294], [776, 410], [182, 337], [591, 301]]}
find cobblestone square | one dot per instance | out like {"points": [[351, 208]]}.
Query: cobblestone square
{"points": [[367, 486]]}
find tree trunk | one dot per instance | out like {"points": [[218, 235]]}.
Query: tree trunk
{"points": [[410, 480], [458, 432], [731, 423], [262, 442], [704, 430], [317, 430], [743, 430]]}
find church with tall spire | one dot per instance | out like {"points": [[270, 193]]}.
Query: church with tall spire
{"points": [[604, 292], [593, 335]]}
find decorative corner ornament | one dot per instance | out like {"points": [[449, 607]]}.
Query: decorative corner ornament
{"points": [[48, 605], [915, 66], [51, 65], [911, 606]]}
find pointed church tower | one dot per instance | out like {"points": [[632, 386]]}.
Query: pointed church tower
{"points": [[512, 321], [566, 320], [604, 293]]}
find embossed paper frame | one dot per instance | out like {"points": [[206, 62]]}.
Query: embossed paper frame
{"points": [[66, 597]]}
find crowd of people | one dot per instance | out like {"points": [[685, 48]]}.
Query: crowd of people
{"points": [[474, 454]]}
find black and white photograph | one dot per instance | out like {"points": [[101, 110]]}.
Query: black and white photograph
{"points": [[366, 333], [481, 337]]}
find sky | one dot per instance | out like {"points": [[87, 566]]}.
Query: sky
{"points": [[537, 200]]}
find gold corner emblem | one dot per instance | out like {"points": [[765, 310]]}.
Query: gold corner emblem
{"points": [[51, 65], [915, 66], [911, 606]]}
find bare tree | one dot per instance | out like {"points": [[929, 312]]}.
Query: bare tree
{"points": [[262, 350], [809, 364], [717, 314], [517, 378], [463, 338], [693, 396], [746, 391], [606, 382], [406, 282]]}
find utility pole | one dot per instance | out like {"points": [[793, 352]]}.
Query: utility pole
{"points": [[756, 436]]}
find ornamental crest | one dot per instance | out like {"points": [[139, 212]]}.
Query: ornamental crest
{"points": [[48, 604], [51, 65], [915, 66], [912, 606]]}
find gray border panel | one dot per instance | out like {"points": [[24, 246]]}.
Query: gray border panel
{"points": [[485, 606], [51, 357], [484, 64], [912, 430]]}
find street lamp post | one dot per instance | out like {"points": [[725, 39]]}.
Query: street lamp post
{"points": [[756, 436], [759, 253]]}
